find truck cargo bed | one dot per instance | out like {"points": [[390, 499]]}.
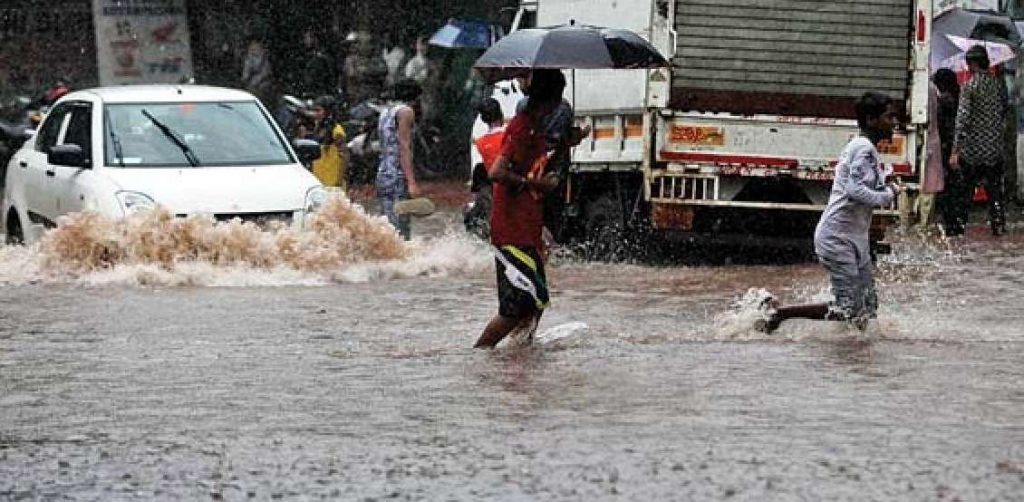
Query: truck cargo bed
{"points": [[789, 57]]}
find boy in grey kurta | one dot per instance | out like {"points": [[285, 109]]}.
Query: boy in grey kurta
{"points": [[841, 239]]}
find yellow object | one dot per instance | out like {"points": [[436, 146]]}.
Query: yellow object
{"points": [[420, 206], [925, 205], [338, 133], [330, 167]]}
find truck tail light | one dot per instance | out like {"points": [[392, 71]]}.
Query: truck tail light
{"points": [[920, 27], [901, 168]]}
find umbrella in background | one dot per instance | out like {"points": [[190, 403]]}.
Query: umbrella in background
{"points": [[968, 25], [459, 33], [998, 53], [567, 47]]}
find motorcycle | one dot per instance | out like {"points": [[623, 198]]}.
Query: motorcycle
{"points": [[364, 147]]}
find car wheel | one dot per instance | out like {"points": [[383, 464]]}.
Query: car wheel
{"points": [[15, 235]]}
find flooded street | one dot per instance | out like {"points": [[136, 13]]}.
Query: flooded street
{"points": [[355, 381]]}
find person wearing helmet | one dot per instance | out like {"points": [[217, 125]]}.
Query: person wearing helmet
{"points": [[978, 140]]}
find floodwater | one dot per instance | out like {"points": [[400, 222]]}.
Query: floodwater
{"points": [[220, 365]]}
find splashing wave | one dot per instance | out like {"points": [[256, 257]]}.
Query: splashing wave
{"points": [[340, 243]]}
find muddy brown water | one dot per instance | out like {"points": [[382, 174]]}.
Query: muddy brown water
{"points": [[354, 381]]}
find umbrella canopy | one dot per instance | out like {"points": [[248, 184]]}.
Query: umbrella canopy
{"points": [[998, 53], [567, 47], [968, 25], [464, 34]]}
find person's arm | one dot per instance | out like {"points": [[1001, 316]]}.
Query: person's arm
{"points": [[501, 172], [262, 77], [857, 187], [1004, 96], [963, 113], [406, 118], [247, 71]]}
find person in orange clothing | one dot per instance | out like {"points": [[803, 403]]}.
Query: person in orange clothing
{"points": [[489, 145], [477, 213]]}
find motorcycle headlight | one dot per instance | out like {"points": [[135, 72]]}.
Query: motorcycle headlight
{"points": [[315, 198], [134, 202]]}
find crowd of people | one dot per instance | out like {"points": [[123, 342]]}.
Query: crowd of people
{"points": [[364, 68]]}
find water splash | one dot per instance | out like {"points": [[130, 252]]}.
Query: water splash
{"points": [[739, 320], [738, 323], [340, 243]]}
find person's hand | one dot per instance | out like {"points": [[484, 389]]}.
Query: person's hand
{"points": [[954, 160], [547, 183], [414, 189], [576, 134], [897, 188]]}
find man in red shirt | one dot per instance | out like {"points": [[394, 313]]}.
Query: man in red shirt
{"points": [[517, 218]]}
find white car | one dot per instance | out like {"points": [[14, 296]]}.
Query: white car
{"points": [[190, 149]]}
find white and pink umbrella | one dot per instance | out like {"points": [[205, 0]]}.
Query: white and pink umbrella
{"points": [[997, 53]]}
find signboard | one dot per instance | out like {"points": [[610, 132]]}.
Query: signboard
{"points": [[685, 134], [941, 5], [142, 41]]}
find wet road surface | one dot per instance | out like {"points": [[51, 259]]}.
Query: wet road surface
{"points": [[218, 382]]}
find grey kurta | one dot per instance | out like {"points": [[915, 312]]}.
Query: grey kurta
{"points": [[858, 188]]}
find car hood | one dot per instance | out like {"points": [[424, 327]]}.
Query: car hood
{"points": [[221, 190]]}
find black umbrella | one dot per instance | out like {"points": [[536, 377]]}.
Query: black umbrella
{"points": [[576, 47]]}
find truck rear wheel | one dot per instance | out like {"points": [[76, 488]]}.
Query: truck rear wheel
{"points": [[604, 229]]}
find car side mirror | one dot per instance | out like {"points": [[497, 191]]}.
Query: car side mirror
{"points": [[67, 155], [307, 149]]}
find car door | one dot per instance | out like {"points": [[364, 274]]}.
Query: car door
{"points": [[66, 182], [40, 202]]}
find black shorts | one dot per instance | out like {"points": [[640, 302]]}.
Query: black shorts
{"points": [[526, 292]]}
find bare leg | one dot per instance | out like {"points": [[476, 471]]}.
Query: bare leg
{"points": [[818, 311], [529, 326], [498, 329], [809, 311]]}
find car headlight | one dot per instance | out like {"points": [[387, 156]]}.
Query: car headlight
{"points": [[134, 202], [315, 198]]}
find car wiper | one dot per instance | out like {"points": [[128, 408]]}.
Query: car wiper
{"points": [[114, 139], [189, 154], [250, 121]]}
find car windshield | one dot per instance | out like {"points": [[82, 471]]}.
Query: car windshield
{"points": [[190, 135]]}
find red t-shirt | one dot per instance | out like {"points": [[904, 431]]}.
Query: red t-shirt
{"points": [[517, 217], [489, 145]]}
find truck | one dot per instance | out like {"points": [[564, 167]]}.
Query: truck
{"points": [[739, 138]]}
